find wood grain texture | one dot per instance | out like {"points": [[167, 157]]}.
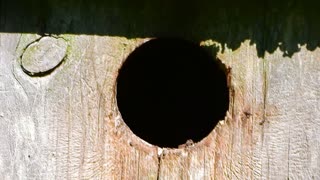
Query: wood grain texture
{"points": [[65, 123], [291, 140]]}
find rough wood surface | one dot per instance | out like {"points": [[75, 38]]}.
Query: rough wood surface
{"points": [[66, 125], [59, 118]]}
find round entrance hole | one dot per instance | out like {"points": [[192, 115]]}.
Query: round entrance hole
{"points": [[171, 90]]}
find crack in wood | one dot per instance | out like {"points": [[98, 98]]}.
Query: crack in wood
{"points": [[159, 163]]}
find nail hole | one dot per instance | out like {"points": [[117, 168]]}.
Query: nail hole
{"points": [[171, 90]]}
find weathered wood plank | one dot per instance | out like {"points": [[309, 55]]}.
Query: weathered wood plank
{"points": [[228, 151], [65, 124], [291, 145]]}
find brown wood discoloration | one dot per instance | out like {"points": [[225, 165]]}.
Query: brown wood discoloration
{"points": [[84, 135], [65, 123]]}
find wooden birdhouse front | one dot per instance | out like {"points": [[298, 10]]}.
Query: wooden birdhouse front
{"points": [[159, 90]]}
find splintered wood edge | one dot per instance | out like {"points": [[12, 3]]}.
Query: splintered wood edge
{"points": [[139, 142], [132, 140]]}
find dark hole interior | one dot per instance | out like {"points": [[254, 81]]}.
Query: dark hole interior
{"points": [[171, 90]]}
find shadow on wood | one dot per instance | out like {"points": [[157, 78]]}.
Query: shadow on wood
{"points": [[269, 24]]}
